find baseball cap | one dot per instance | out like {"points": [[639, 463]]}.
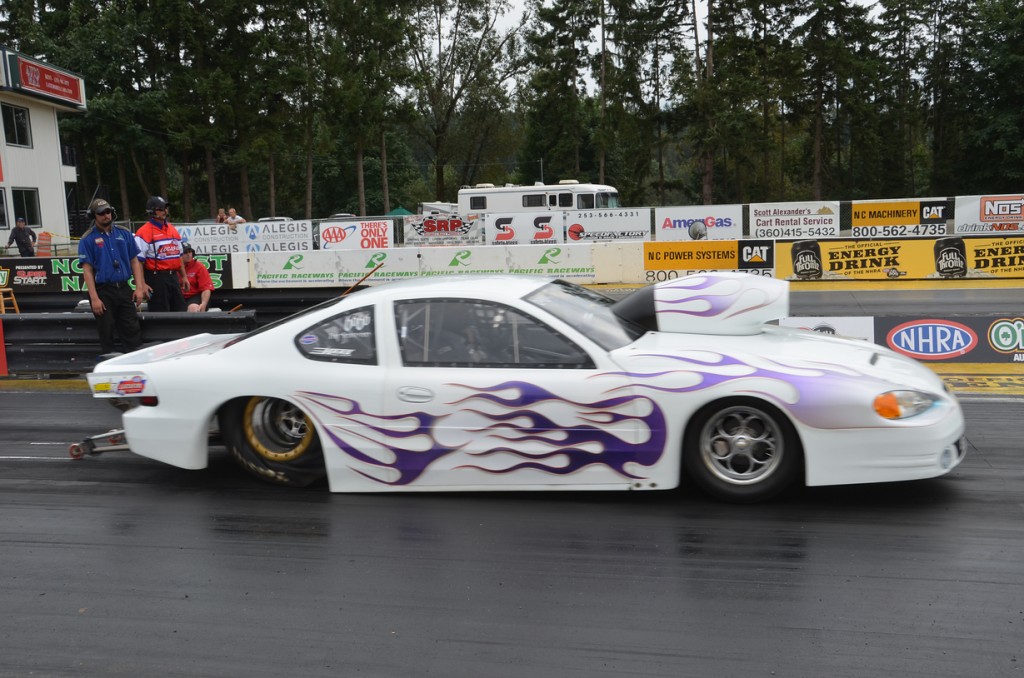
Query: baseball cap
{"points": [[20, 220], [188, 248], [99, 205]]}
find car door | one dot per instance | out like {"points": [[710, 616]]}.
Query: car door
{"points": [[488, 395]]}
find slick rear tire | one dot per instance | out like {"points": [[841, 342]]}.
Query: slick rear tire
{"points": [[273, 440], [742, 450]]}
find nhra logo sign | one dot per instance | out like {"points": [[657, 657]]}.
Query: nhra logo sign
{"points": [[932, 339]]}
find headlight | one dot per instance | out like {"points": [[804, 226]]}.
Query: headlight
{"points": [[902, 404]]}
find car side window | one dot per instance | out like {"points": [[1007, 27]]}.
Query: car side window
{"points": [[346, 338], [471, 333]]}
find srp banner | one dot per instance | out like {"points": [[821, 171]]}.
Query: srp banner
{"points": [[422, 230]]}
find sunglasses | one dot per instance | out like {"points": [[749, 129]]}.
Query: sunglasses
{"points": [[102, 213]]}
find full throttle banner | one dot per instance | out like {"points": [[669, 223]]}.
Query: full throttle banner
{"points": [[913, 259]]}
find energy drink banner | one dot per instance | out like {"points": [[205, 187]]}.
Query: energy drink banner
{"points": [[989, 214], [917, 259], [699, 222]]}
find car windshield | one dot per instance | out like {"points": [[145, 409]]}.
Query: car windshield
{"points": [[588, 311]]}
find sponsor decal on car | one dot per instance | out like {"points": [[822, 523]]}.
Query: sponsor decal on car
{"points": [[932, 339], [131, 386]]}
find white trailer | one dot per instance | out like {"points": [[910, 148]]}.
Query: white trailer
{"points": [[564, 196]]}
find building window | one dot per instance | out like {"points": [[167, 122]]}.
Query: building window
{"points": [[3, 209], [26, 204], [17, 128], [478, 202]]}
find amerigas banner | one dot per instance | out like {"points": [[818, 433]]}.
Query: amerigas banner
{"points": [[536, 228], [699, 222]]}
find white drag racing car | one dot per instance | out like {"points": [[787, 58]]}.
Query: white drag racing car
{"points": [[521, 383]]}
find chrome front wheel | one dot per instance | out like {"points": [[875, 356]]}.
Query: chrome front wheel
{"points": [[742, 449]]}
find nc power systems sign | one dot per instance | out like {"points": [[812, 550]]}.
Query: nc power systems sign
{"points": [[699, 222]]}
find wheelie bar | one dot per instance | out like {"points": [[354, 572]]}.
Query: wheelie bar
{"points": [[111, 441]]}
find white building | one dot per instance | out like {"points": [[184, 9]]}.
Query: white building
{"points": [[35, 179]]}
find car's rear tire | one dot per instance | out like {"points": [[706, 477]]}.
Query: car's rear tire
{"points": [[742, 450], [274, 440]]}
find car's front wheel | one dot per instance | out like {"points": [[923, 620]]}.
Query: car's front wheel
{"points": [[273, 439], [742, 450]]}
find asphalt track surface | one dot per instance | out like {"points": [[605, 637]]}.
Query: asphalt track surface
{"points": [[120, 566]]}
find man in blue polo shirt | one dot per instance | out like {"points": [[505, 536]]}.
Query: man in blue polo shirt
{"points": [[110, 259]]}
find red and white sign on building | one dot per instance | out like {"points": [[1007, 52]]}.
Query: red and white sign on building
{"points": [[50, 82]]}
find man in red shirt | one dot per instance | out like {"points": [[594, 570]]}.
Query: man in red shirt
{"points": [[160, 252], [200, 284]]}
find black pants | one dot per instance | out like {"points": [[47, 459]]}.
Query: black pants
{"points": [[166, 292], [120, 315]]}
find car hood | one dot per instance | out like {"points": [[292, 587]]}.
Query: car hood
{"points": [[780, 351]]}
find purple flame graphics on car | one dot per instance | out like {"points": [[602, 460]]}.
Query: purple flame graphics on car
{"points": [[815, 393], [713, 296], [499, 429]]}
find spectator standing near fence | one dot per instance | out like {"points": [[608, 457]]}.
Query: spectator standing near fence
{"points": [[24, 237], [110, 260], [234, 219], [199, 281], [160, 249]]}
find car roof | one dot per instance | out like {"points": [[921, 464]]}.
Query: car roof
{"points": [[472, 285]]}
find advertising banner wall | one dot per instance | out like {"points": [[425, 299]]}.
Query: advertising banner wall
{"points": [[352, 235], [277, 236], [457, 260], [328, 268], [916, 259], [569, 262], [898, 218], [212, 238], [973, 339], [989, 214], [608, 224], [699, 222], [64, 274], [524, 229], [778, 220], [669, 260], [448, 230]]}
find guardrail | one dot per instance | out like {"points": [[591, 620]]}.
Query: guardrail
{"points": [[67, 343]]}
